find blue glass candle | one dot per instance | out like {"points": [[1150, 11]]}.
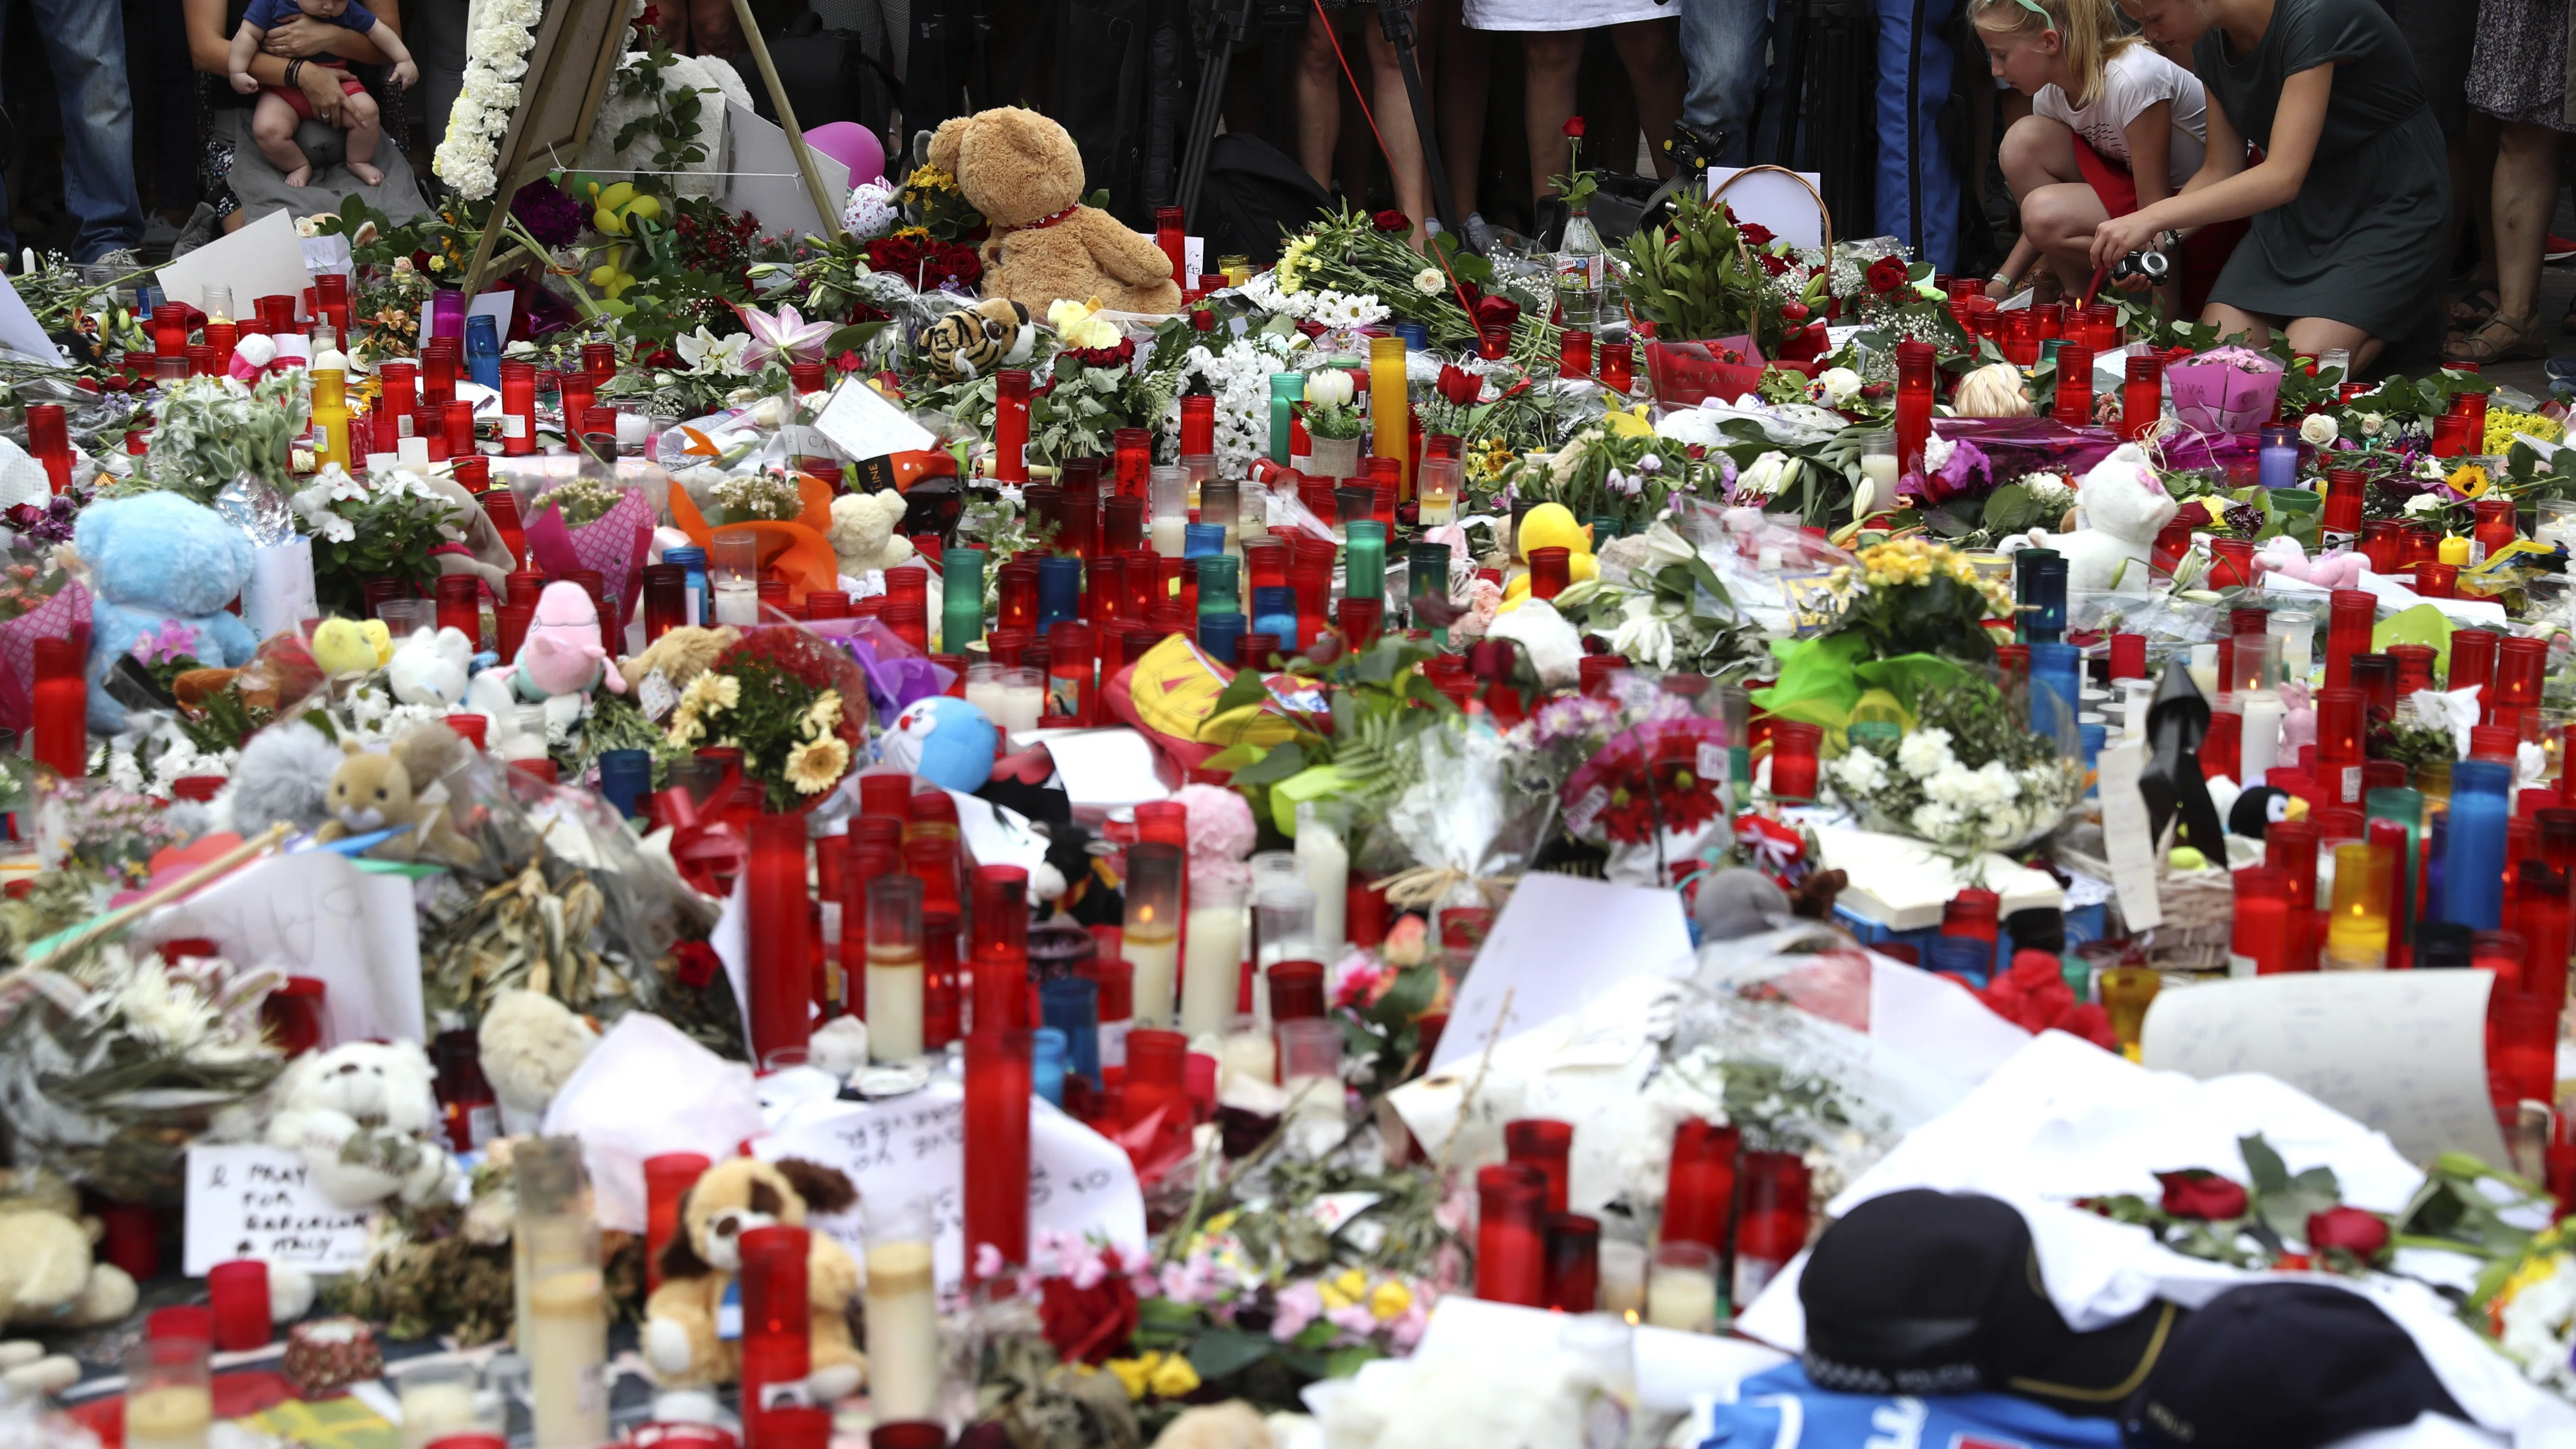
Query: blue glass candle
{"points": [[1274, 612], [2473, 853], [625, 778], [1202, 540], [1221, 635], [695, 561], [1965, 955], [2277, 466], [2094, 737], [1072, 1005], [2056, 673], [483, 350], [1046, 1064], [1059, 591]]}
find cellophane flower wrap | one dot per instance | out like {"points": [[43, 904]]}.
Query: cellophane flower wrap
{"points": [[2224, 390], [62, 613], [615, 543], [796, 705]]}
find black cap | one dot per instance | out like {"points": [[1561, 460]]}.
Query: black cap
{"points": [[1923, 1292], [2283, 1366]]}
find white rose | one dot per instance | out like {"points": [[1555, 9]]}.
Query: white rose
{"points": [[1952, 784], [1996, 782], [1428, 282], [1936, 452], [1770, 473], [2317, 430], [1841, 385], [1860, 773], [2371, 423], [1934, 822], [1328, 388], [2424, 503]]}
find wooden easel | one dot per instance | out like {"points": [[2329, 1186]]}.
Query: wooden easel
{"points": [[576, 51]]}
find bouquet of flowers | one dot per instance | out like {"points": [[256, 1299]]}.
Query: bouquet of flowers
{"points": [[214, 430], [1907, 596], [385, 312], [112, 1061], [755, 497], [2224, 390], [1328, 410], [592, 530], [582, 499], [791, 703], [1969, 777], [382, 527]]}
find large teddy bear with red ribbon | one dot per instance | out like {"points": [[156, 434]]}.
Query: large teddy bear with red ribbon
{"points": [[1023, 172]]}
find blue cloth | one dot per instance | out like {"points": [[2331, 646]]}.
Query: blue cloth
{"points": [[1724, 46], [269, 14], [1918, 191], [85, 42], [1780, 1409]]}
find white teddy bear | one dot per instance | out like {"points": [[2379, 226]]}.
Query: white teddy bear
{"points": [[2125, 507], [366, 1119], [430, 668], [531, 1045], [863, 532]]}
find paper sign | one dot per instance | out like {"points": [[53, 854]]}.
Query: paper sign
{"points": [[325, 255], [912, 1149], [248, 1200], [19, 332], [766, 183], [1560, 941], [317, 915], [863, 425], [263, 259], [495, 305], [1773, 200], [281, 595], [1193, 257], [647, 1089], [1105, 769], [2127, 835], [2400, 1051]]}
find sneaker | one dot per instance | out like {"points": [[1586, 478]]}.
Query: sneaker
{"points": [[2556, 248]]}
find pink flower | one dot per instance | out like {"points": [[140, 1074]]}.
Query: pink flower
{"points": [[1221, 824], [1358, 981], [1353, 1319], [1406, 1330], [1192, 1280], [988, 1260], [1407, 942], [1295, 1306]]}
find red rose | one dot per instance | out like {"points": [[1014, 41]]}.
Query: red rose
{"points": [[1203, 320], [1391, 220], [1089, 1325], [2362, 1234], [1574, 127], [1757, 235], [1886, 275], [1459, 385], [2198, 1194], [697, 964]]}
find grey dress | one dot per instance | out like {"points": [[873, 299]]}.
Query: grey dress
{"points": [[2363, 242]]}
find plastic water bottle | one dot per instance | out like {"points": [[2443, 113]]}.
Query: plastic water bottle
{"points": [[1582, 274]]}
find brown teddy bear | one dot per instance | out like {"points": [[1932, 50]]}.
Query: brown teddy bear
{"points": [[1023, 172], [683, 1341], [681, 655], [372, 791]]}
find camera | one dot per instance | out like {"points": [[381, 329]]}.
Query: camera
{"points": [[2154, 266]]}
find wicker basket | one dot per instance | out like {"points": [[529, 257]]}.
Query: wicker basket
{"points": [[2199, 905]]}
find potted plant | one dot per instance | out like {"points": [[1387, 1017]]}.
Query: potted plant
{"points": [[1332, 424]]}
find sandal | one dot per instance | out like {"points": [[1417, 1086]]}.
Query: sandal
{"points": [[2470, 310], [2499, 338]]}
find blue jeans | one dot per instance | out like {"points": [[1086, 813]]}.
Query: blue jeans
{"points": [[1917, 191], [1724, 48], [85, 43]]}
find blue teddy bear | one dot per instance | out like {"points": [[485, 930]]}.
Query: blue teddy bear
{"points": [[154, 559]]}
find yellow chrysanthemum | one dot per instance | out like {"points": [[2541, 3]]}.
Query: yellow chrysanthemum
{"points": [[817, 765], [1132, 1372], [1390, 1300], [1343, 1291], [1173, 1377], [931, 178], [2469, 480], [685, 726], [823, 715], [712, 692]]}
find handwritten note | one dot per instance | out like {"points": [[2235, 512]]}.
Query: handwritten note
{"points": [[317, 915], [2401, 1051], [252, 1201], [913, 1149], [863, 425]]}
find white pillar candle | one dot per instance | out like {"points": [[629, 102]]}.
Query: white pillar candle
{"points": [[1681, 1298], [737, 603], [169, 1416], [1252, 1055], [1212, 968], [1623, 1279], [1157, 961], [436, 1409], [2260, 744], [988, 696], [1022, 703], [1328, 875], [894, 1004], [567, 1348], [903, 1332], [1171, 535]]}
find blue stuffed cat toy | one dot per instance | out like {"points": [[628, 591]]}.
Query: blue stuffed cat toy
{"points": [[154, 559]]}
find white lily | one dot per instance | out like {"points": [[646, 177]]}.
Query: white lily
{"points": [[1645, 636], [703, 351], [1664, 548], [784, 335]]}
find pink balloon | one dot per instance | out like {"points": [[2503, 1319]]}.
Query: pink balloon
{"points": [[853, 145]]}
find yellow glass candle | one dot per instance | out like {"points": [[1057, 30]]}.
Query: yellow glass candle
{"points": [[1391, 409], [2357, 932], [330, 418]]}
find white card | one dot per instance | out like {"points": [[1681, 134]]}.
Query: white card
{"points": [[1105, 769], [1607, 933], [263, 259], [863, 425], [250, 1200], [19, 332], [2400, 1051], [495, 305], [315, 914], [2126, 840], [913, 1149], [766, 183], [997, 834]]}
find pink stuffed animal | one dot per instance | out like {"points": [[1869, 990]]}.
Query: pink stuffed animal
{"points": [[2283, 555], [562, 654]]}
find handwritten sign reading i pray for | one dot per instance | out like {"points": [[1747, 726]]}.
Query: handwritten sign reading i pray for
{"points": [[252, 1201]]}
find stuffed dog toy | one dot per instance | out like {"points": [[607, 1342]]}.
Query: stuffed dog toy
{"points": [[685, 1323]]}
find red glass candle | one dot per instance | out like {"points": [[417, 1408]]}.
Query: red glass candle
{"points": [[777, 1344], [2261, 942], [2473, 659], [1360, 620], [2344, 489], [1132, 453], [1541, 1143], [456, 419], [2494, 530], [1574, 354], [510, 628], [1000, 956], [2231, 563], [1573, 1279], [2290, 847], [1699, 1188], [1915, 362], [2414, 667], [2522, 1047], [1774, 1225], [1016, 595], [2128, 656], [1511, 1245], [2340, 715], [438, 373], [1198, 426], [2437, 580], [1155, 1065], [239, 1292], [460, 606], [1550, 571], [667, 1178], [1170, 233], [998, 1087], [518, 408], [1794, 746], [943, 1011], [1974, 913], [221, 336], [59, 709], [2142, 396], [2450, 436], [391, 419], [49, 441], [781, 970], [2074, 406], [2540, 917], [2349, 614], [1618, 367], [2521, 667], [170, 329]]}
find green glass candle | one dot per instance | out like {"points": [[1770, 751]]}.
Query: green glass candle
{"points": [[1287, 389], [961, 606]]}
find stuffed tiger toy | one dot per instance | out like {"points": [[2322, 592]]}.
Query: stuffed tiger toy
{"points": [[974, 340]]}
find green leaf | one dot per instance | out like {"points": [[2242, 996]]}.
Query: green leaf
{"points": [[1220, 1352], [1278, 765], [1343, 1362], [1244, 689], [2263, 1165], [2010, 509]]}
